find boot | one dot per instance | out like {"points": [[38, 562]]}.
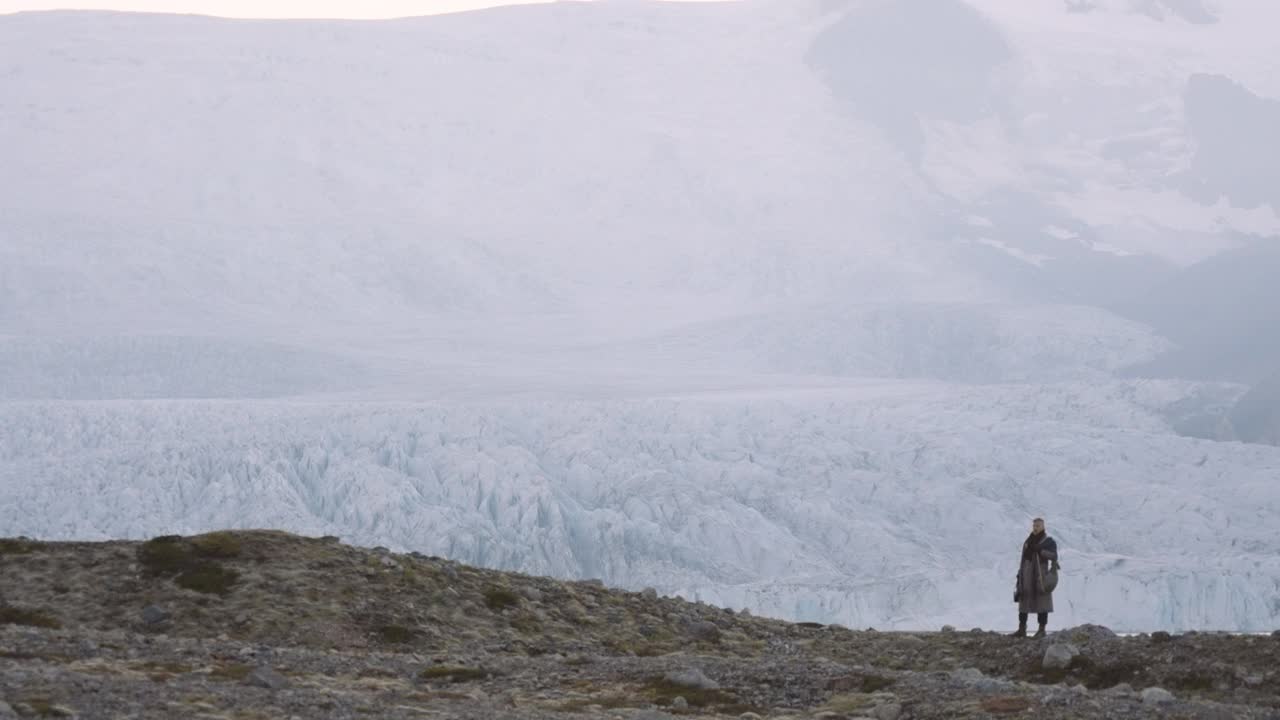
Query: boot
{"points": [[1039, 633], [1022, 630]]}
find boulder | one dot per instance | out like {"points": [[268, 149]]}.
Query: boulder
{"points": [[691, 678], [1085, 634], [1059, 656], [154, 615], [702, 630], [265, 677], [1156, 696]]}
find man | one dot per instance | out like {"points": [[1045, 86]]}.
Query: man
{"points": [[1036, 578]]}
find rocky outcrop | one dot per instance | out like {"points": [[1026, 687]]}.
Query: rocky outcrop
{"points": [[265, 624]]}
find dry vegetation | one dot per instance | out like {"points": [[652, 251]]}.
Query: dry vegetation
{"points": [[219, 624]]}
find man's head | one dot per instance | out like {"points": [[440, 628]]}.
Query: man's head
{"points": [[1037, 525]]}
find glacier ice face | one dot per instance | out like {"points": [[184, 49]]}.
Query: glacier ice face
{"points": [[893, 505]]}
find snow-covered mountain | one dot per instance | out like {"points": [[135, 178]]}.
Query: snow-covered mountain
{"points": [[801, 306]]}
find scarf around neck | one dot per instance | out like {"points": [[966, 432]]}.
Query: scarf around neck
{"points": [[1032, 544]]}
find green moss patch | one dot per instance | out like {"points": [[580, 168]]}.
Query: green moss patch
{"points": [[876, 683], [11, 546], [454, 674], [192, 562], [663, 692], [31, 618], [1006, 705], [165, 555], [498, 598], [221, 545], [395, 634], [230, 673], [211, 579], [1093, 675]]}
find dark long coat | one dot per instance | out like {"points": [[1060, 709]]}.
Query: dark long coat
{"points": [[1031, 599]]}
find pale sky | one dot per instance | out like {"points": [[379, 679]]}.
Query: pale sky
{"points": [[267, 8]]}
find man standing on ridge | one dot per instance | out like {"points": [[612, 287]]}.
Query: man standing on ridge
{"points": [[1036, 578]]}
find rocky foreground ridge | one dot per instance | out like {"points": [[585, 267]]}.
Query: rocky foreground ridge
{"points": [[250, 625]]}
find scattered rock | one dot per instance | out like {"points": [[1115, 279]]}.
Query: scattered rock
{"points": [[975, 679], [702, 630], [888, 711], [1161, 636], [1062, 698], [679, 703], [322, 619], [1059, 656], [1085, 634], [154, 615], [692, 678], [265, 677], [390, 563], [1156, 696]]}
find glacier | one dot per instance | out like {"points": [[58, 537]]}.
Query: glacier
{"points": [[884, 504]]}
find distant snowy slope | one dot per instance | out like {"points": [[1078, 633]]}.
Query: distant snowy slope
{"points": [[79, 368], [963, 342], [469, 162], [550, 158], [882, 505]]}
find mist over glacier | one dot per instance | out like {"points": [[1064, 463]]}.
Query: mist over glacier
{"points": [[805, 307]]}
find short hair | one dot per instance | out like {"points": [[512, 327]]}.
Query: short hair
{"points": [[1037, 520]]}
